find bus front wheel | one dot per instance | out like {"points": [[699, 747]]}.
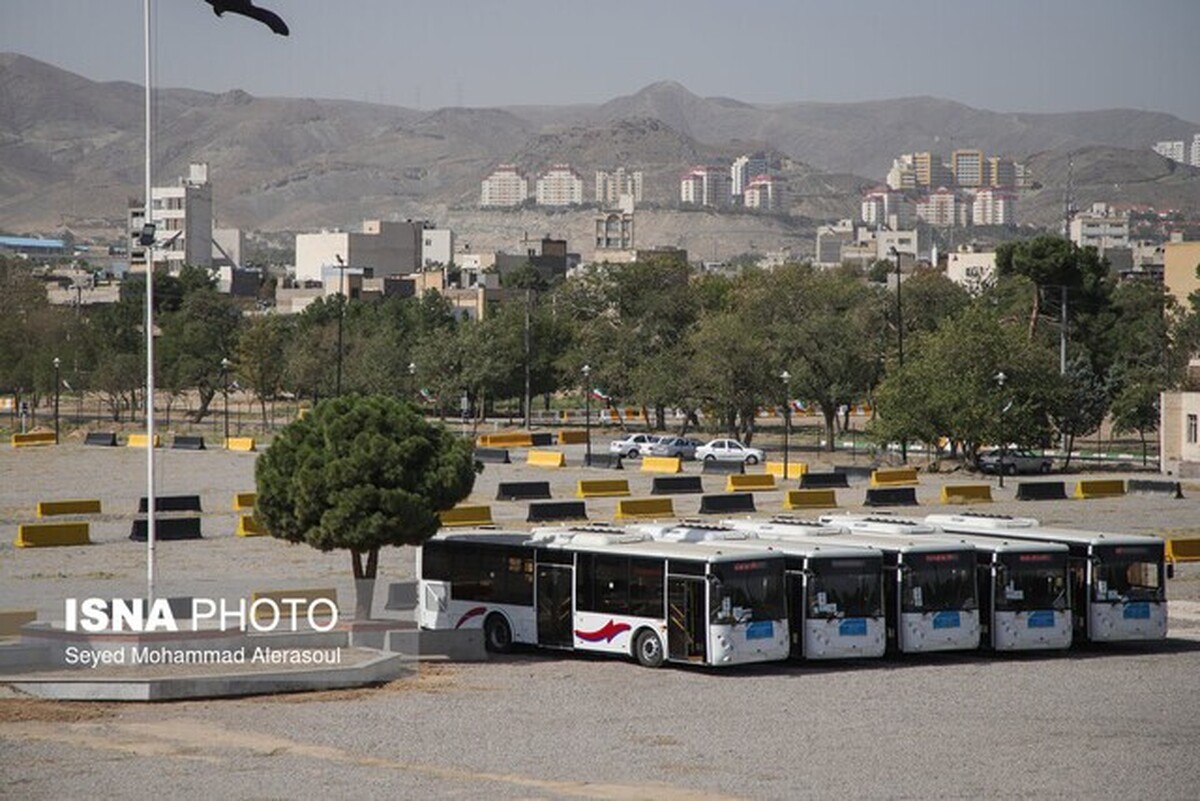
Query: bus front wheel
{"points": [[648, 649], [497, 636]]}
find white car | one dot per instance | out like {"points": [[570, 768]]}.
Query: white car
{"points": [[728, 450], [631, 446], [683, 447]]}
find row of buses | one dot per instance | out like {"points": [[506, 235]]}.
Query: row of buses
{"points": [[753, 590]]}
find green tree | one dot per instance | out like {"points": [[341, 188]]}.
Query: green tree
{"points": [[360, 473], [195, 338], [259, 358], [1079, 406]]}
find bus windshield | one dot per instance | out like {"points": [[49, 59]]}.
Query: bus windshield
{"points": [[844, 588], [1128, 573], [938, 582], [742, 592], [1032, 581]]}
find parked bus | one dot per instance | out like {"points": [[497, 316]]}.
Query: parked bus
{"points": [[603, 590], [834, 592], [930, 598], [1117, 582]]}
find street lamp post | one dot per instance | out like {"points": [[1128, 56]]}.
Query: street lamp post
{"points": [[341, 318], [900, 341], [225, 393], [587, 414], [787, 419], [1000, 378], [412, 380], [57, 363]]}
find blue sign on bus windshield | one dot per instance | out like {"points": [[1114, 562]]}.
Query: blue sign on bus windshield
{"points": [[946, 620], [1041, 620], [853, 627], [1137, 611], [760, 630]]}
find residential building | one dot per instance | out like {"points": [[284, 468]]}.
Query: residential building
{"points": [[614, 231], [883, 207], [942, 207], [1101, 227], [227, 246], [763, 192], [969, 167], [437, 247], [830, 241], [705, 186], [746, 168], [560, 186], [970, 269], [903, 174], [610, 186], [1001, 172], [382, 249], [506, 186], [931, 171], [1181, 260], [183, 220], [1173, 150], [1179, 434], [1195, 159], [994, 206]]}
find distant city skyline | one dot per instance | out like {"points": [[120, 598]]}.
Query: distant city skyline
{"points": [[1017, 56]]}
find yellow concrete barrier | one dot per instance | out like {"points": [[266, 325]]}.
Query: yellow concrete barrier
{"points": [[12, 620], [572, 437], [810, 499], [244, 501], [602, 488], [139, 441], [1099, 488], [893, 476], [546, 459], [466, 516], [90, 506], [641, 508], [506, 439], [33, 438], [284, 599], [51, 535], [1186, 549], [966, 493], [662, 464], [794, 469], [248, 527], [240, 444], [749, 482]]}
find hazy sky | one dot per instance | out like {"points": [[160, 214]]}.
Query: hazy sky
{"points": [[1004, 55]]}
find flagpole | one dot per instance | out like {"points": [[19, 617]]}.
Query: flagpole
{"points": [[149, 324]]}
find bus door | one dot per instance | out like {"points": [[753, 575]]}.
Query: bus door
{"points": [[686, 611], [796, 587], [554, 590]]}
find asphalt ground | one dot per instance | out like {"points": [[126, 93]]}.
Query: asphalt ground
{"points": [[1092, 723]]}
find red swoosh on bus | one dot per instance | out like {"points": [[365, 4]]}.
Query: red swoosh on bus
{"points": [[606, 632], [470, 613]]}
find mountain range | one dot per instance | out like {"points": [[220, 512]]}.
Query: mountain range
{"points": [[71, 156]]}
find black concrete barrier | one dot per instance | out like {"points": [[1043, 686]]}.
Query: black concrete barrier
{"points": [[557, 510], [729, 502], [106, 438], [171, 503], [609, 461], [187, 443], [167, 528], [724, 468], [492, 455], [1140, 485], [522, 490], [676, 485], [891, 496], [541, 439], [824, 480], [1042, 491], [853, 471]]}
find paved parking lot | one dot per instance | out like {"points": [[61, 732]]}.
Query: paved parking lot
{"points": [[1090, 724]]}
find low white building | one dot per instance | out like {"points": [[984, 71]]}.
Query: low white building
{"points": [[1179, 433], [971, 270], [382, 248], [1101, 227]]}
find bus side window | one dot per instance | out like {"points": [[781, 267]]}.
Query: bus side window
{"points": [[435, 562]]}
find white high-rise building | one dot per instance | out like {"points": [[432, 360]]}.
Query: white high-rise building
{"points": [[504, 187], [993, 206], [1174, 150], [884, 207], [705, 186], [610, 186], [763, 192], [1101, 227], [942, 207], [560, 186], [183, 219], [745, 169], [903, 174], [1195, 160]]}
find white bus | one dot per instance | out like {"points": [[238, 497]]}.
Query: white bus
{"points": [[603, 590], [834, 592], [930, 597], [1118, 588]]}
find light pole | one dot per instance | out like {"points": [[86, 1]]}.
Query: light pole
{"points": [[412, 379], [1000, 378], [587, 414], [787, 418], [900, 341], [341, 318], [57, 363], [225, 393]]}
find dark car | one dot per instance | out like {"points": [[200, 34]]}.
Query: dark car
{"points": [[1014, 462]]}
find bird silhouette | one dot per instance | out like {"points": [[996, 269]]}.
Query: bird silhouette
{"points": [[247, 9]]}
